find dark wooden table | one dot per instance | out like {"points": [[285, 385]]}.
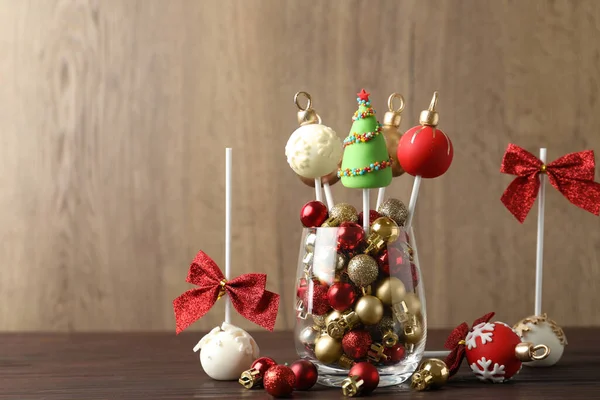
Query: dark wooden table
{"points": [[162, 366]]}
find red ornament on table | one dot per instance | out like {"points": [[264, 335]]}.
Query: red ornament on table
{"points": [[350, 236], [254, 376], [306, 374], [373, 215], [493, 349], [341, 296], [362, 379], [313, 214], [425, 150], [357, 343], [279, 381], [315, 299]]}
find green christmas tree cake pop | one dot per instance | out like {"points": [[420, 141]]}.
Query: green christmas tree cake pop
{"points": [[366, 162]]}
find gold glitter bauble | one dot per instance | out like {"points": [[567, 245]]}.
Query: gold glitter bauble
{"points": [[388, 323], [431, 374], [343, 212], [363, 270], [394, 209], [386, 228], [327, 349], [390, 291], [369, 309], [413, 304]]}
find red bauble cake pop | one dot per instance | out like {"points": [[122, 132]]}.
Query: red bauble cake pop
{"points": [[425, 150]]}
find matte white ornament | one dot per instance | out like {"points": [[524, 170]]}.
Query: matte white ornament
{"points": [[226, 352], [542, 330], [313, 151]]}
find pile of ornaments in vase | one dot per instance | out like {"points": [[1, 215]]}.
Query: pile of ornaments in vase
{"points": [[365, 308]]}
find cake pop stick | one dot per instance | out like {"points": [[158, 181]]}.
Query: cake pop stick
{"points": [[313, 150], [424, 151], [328, 195], [366, 209], [228, 156], [539, 254]]}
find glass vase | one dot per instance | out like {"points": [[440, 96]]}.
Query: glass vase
{"points": [[359, 297]]}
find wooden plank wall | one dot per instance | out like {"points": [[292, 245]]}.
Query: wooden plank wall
{"points": [[114, 116]]}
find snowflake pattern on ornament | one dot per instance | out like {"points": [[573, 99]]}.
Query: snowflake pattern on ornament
{"points": [[482, 370], [484, 331]]}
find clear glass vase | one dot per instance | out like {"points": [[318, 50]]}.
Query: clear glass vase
{"points": [[350, 310]]}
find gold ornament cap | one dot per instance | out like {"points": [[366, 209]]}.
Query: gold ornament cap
{"points": [[351, 386], [307, 115], [430, 117], [393, 117], [250, 378], [345, 362], [376, 353], [526, 351], [431, 374]]}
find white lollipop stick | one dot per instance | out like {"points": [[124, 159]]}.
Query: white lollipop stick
{"points": [[328, 195], [380, 197], [413, 202], [228, 152], [318, 194], [366, 209], [539, 259]]}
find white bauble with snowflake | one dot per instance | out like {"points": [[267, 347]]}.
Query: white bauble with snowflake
{"points": [[543, 330], [226, 352], [313, 151]]}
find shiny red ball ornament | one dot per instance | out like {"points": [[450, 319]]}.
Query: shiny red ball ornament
{"points": [[373, 215], [302, 288], [357, 343], [306, 374], [341, 296], [313, 214], [384, 262], [394, 354], [350, 236], [262, 364], [279, 381], [368, 373], [425, 151], [315, 298]]}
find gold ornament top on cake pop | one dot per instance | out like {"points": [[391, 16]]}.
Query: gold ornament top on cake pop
{"points": [[391, 131]]}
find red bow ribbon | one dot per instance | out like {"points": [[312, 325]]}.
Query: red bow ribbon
{"points": [[572, 175], [456, 343], [247, 293]]}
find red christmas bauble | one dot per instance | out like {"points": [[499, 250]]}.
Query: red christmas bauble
{"points": [[315, 298], [373, 215], [357, 343], [313, 214], [425, 151], [397, 261], [263, 364], [384, 262], [490, 351], [302, 288], [279, 381], [306, 374], [350, 236], [368, 373], [341, 296], [394, 354]]}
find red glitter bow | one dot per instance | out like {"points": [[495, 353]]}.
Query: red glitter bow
{"points": [[456, 343], [572, 175], [247, 293]]}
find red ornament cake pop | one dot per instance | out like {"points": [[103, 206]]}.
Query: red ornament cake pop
{"points": [[425, 150]]}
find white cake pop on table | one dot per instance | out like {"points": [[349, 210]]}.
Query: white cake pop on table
{"points": [[226, 352], [542, 330]]}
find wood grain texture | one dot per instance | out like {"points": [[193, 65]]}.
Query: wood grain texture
{"points": [[162, 366], [114, 116]]}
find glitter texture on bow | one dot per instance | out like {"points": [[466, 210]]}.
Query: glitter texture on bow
{"points": [[456, 343], [246, 292], [572, 175]]}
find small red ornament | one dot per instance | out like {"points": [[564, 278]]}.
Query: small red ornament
{"points": [[318, 304], [425, 150], [373, 215], [262, 364], [394, 354], [313, 214], [279, 381], [302, 287], [350, 236], [368, 374], [384, 262], [341, 296], [357, 343], [306, 374]]}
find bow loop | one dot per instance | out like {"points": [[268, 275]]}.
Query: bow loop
{"points": [[572, 175], [247, 293]]}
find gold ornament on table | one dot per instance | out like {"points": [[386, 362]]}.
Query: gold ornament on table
{"points": [[390, 291], [328, 350], [341, 212], [431, 374], [369, 310], [383, 231], [394, 209], [391, 131], [363, 270]]}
